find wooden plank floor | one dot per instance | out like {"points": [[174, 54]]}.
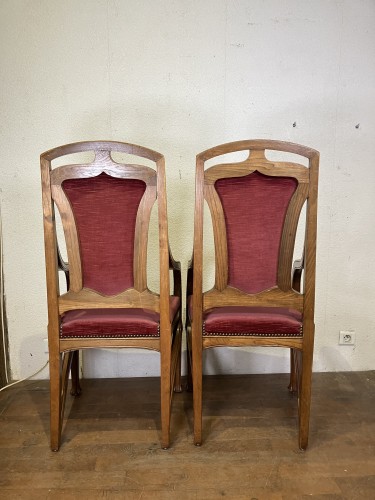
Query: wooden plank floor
{"points": [[111, 441]]}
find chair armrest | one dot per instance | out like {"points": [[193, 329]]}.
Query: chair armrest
{"points": [[64, 267], [298, 266], [189, 291], [190, 275]]}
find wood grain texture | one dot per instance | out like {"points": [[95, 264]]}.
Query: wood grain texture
{"points": [[71, 344], [110, 444], [256, 145], [248, 340], [234, 297], [194, 341], [90, 299], [98, 147], [64, 353], [289, 292], [220, 237], [288, 237]]}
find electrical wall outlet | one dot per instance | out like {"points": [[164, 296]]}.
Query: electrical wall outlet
{"points": [[347, 337]]}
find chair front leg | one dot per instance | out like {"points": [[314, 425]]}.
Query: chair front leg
{"points": [[55, 362], [165, 392], [189, 381], [305, 400], [59, 373], [177, 387], [197, 349]]}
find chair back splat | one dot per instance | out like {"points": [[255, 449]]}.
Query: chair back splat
{"points": [[105, 209], [258, 298]]}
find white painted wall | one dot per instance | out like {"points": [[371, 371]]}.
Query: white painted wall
{"points": [[180, 76]]}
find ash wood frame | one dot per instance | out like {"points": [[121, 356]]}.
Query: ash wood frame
{"points": [[287, 293], [64, 352]]}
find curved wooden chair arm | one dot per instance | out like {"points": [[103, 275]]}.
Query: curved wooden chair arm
{"points": [[62, 264], [298, 266], [191, 263], [190, 275], [64, 267]]}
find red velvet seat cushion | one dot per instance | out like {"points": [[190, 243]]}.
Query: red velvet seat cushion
{"points": [[257, 321], [121, 322]]}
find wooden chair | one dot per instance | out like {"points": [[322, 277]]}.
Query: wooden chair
{"points": [[105, 210], [258, 298]]}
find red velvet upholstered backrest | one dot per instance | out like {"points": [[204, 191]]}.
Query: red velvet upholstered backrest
{"points": [[105, 210], [254, 208]]}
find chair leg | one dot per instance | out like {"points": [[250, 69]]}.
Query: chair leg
{"points": [[55, 400], [197, 349], [305, 400], [76, 386], [165, 399], [189, 382], [59, 374], [66, 367], [293, 385], [177, 379]]}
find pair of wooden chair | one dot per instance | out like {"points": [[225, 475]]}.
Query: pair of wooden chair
{"points": [[259, 297]]}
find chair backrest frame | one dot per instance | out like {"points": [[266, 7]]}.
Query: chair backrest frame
{"points": [[282, 295], [53, 194]]}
